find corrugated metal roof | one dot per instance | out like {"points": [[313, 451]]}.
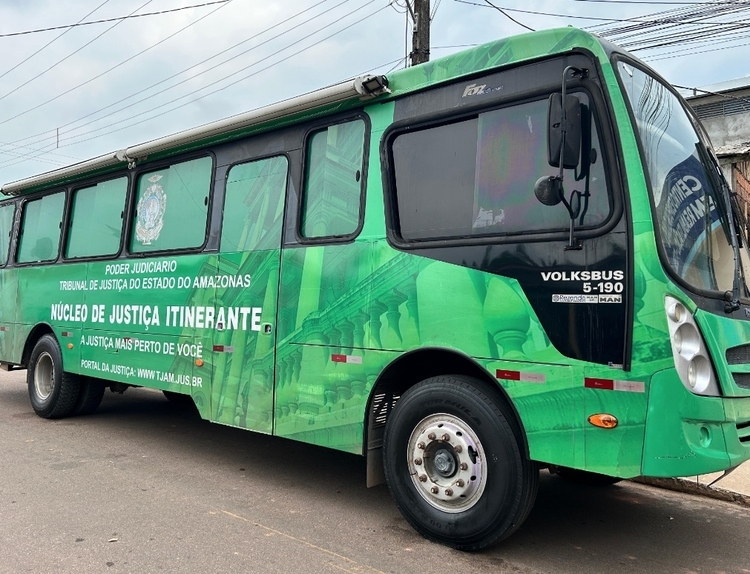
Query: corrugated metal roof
{"points": [[733, 149], [728, 86]]}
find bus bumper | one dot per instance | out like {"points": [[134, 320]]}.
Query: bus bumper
{"points": [[688, 434]]}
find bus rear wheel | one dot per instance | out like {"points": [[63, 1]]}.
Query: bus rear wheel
{"points": [[455, 465], [90, 396], [53, 392]]}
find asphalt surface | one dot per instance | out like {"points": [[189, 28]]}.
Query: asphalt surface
{"points": [[142, 486]]}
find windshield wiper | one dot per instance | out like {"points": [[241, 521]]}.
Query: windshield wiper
{"points": [[732, 299]]}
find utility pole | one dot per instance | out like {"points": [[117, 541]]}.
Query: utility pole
{"points": [[420, 40]]}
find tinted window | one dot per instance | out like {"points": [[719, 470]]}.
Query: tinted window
{"points": [[172, 207], [333, 181], [6, 229], [476, 177], [40, 230], [253, 205], [96, 219]]}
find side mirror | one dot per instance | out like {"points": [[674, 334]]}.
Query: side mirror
{"points": [[548, 190], [559, 123]]}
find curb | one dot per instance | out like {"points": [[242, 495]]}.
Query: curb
{"points": [[690, 487]]}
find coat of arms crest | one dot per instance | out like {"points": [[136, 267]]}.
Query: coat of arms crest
{"points": [[151, 208]]}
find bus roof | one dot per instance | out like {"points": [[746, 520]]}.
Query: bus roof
{"points": [[474, 60]]}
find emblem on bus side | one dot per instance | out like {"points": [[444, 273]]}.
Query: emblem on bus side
{"points": [[151, 208]]}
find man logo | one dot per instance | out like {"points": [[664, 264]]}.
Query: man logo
{"points": [[610, 298]]}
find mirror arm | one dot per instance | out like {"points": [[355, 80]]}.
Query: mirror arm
{"points": [[573, 243]]}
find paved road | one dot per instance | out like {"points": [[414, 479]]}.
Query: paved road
{"points": [[141, 486]]}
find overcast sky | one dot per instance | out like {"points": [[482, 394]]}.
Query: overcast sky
{"points": [[102, 87]]}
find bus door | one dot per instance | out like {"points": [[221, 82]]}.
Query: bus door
{"points": [[242, 346]]}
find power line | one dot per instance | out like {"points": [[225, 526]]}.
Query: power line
{"points": [[6, 72], [160, 114], [120, 18], [502, 11], [40, 74], [652, 3], [238, 71], [113, 67], [161, 82], [557, 15]]}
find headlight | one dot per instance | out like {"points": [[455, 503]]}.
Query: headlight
{"points": [[691, 358]]}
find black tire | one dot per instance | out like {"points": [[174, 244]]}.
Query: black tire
{"points": [[90, 396], [179, 399], [468, 491], [585, 478], [52, 391]]}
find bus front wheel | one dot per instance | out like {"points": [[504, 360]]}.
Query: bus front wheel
{"points": [[53, 392], [455, 465]]}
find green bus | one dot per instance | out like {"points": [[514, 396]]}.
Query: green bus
{"points": [[519, 256]]}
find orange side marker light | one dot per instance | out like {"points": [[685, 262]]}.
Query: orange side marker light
{"points": [[603, 420]]}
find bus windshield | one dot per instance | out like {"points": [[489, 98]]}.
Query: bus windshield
{"points": [[691, 214]]}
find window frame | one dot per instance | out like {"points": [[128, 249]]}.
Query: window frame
{"points": [[9, 260], [716, 298], [18, 227], [309, 133], [607, 154], [69, 216], [131, 206], [229, 169]]}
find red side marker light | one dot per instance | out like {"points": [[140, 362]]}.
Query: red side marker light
{"points": [[603, 420]]}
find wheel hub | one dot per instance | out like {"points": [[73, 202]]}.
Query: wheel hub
{"points": [[447, 463], [44, 376]]}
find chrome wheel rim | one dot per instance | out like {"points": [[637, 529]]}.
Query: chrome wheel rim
{"points": [[447, 464], [44, 376]]}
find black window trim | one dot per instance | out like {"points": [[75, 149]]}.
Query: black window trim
{"points": [[312, 130], [69, 219], [12, 236], [608, 147], [144, 169], [231, 166], [19, 229]]}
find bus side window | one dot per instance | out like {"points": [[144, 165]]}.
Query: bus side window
{"points": [[475, 177], [333, 181], [171, 211], [95, 221], [39, 239], [6, 229], [253, 205]]}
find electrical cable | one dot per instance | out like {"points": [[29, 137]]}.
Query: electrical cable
{"points": [[502, 11], [113, 67], [238, 71], [40, 74], [160, 114], [55, 39], [213, 68], [129, 17]]}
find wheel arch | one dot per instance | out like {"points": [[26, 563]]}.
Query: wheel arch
{"points": [[36, 333], [405, 372]]}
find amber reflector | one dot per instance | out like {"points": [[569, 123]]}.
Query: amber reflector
{"points": [[603, 420], [199, 362], [70, 345]]}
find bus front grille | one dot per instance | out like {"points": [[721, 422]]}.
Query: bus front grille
{"points": [[743, 431], [742, 380], [739, 355]]}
